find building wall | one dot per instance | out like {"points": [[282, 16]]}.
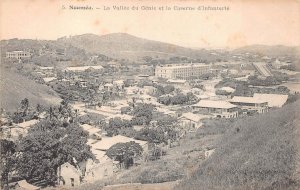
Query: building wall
{"points": [[181, 71], [18, 54], [98, 171], [70, 175]]}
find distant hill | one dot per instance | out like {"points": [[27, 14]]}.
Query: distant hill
{"points": [[271, 51], [125, 46], [15, 87]]}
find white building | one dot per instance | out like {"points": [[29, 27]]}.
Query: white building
{"points": [[250, 103], [219, 109], [18, 54], [181, 71]]}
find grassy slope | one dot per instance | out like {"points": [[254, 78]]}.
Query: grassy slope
{"points": [[15, 87], [260, 155]]}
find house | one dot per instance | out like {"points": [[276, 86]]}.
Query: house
{"points": [[108, 142], [119, 84], [69, 175], [274, 100], [18, 54], [49, 79], [220, 109], [227, 89], [108, 87], [191, 121], [83, 68], [24, 185], [102, 168], [12, 132], [250, 104], [83, 83], [150, 90], [178, 83]]}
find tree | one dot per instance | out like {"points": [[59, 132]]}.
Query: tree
{"points": [[125, 153], [142, 114], [8, 149], [116, 124], [25, 106], [48, 145]]}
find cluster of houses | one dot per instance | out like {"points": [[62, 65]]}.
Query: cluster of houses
{"points": [[176, 75], [102, 167]]}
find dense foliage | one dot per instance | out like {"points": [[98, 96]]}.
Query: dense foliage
{"points": [[125, 153]]}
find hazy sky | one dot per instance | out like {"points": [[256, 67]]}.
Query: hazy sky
{"points": [[269, 22]]}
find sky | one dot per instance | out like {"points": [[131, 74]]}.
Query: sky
{"points": [[247, 22]]}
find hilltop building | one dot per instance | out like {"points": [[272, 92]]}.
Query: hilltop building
{"points": [[18, 54]]}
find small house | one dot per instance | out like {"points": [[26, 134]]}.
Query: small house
{"points": [[191, 121], [69, 175]]}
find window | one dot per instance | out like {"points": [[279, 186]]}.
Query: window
{"points": [[72, 182]]}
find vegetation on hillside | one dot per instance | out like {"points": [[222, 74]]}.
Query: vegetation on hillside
{"points": [[255, 153]]}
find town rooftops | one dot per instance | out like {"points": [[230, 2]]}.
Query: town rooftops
{"points": [[174, 66], [274, 100], [108, 142], [243, 99], [46, 68], [214, 104], [227, 89], [118, 82], [49, 79], [108, 84], [83, 68]]}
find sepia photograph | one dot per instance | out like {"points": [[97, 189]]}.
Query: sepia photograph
{"points": [[150, 95]]}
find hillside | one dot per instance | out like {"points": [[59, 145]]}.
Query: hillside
{"points": [[259, 152], [125, 46], [15, 87]]}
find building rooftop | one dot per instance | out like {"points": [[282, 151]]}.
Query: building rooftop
{"points": [[227, 89], [108, 142], [46, 68], [23, 184], [49, 79], [174, 66], [176, 81], [83, 68], [244, 99], [274, 100], [214, 104]]}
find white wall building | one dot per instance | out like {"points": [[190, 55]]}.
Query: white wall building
{"points": [[18, 54], [181, 71]]}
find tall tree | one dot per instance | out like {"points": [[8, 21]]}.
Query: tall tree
{"points": [[125, 153], [7, 150], [47, 146]]}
